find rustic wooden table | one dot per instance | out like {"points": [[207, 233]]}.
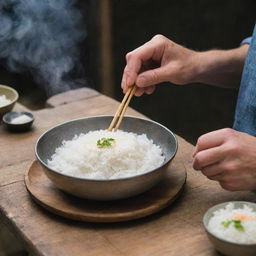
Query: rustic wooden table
{"points": [[176, 230]]}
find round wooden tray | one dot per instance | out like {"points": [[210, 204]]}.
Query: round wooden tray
{"points": [[51, 198]]}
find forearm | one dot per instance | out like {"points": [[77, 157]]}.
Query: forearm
{"points": [[220, 67]]}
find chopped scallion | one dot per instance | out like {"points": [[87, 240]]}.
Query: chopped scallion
{"points": [[237, 224], [105, 142]]}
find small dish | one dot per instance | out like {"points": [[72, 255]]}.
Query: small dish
{"points": [[226, 247], [11, 95], [18, 121]]}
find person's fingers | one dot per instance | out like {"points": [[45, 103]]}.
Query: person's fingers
{"points": [[213, 170], [139, 92], [130, 73], [123, 83], [149, 90], [231, 187], [208, 157], [153, 76], [218, 177], [134, 62], [211, 139], [153, 50]]}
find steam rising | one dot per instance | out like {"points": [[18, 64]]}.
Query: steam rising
{"points": [[42, 37]]}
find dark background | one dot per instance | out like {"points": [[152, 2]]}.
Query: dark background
{"points": [[189, 110]]}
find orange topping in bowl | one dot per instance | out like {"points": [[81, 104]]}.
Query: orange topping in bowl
{"points": [[241, 216]]}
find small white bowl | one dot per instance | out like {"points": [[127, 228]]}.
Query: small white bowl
{"points": [[10, 94], [225, 247], [18, 127]]}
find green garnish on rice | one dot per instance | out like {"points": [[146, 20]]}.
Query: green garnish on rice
{"points": [[105, 142], [237, 224]]}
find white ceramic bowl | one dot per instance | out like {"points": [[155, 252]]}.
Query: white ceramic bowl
{"points": [[225, 247]]}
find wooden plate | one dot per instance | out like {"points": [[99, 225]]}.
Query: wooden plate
{"points": [[44, 192]]}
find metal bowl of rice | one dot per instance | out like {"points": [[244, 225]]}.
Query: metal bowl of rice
{"points": [[82, 158], [231, 227], [8, 98]]}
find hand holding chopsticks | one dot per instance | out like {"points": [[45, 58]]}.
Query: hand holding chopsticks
{"points": [[116, 121]]}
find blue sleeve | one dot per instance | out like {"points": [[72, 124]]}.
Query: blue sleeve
{"points": [[246, 41]]}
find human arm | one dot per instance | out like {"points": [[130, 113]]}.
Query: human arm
{"points": [[222, 68], [229, 157], [161, 59]]}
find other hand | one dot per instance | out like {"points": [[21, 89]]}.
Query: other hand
{"points": [[229, 157]]}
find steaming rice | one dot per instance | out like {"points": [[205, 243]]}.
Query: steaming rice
{"points": [[4, 101], [127, 155], [234, 225]]}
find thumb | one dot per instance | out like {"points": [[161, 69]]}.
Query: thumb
{"points": [[152, 77]]}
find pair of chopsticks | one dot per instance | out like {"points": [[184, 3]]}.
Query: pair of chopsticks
{"points": [[116, 121]]}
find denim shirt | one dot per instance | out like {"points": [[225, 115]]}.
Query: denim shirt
{"points": [[245, 116]]}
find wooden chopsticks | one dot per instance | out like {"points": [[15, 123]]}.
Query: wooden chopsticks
{"points": [[122, 109]]}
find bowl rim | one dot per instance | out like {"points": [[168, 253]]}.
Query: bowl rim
{"points": [[13, 90], [212, 209], [106, 180], [21, 113]]}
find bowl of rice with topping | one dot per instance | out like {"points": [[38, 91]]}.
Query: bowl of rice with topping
{"points": [[8, 98], [231, 227], [83, 158]]}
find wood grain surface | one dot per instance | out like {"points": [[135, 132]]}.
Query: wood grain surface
{"points": [[70, 96], [175, 231], [51, 198]]}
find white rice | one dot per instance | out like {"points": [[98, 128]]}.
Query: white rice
{"points": [[130, 154], [230, 233], [21, 119], [4, 101]]}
